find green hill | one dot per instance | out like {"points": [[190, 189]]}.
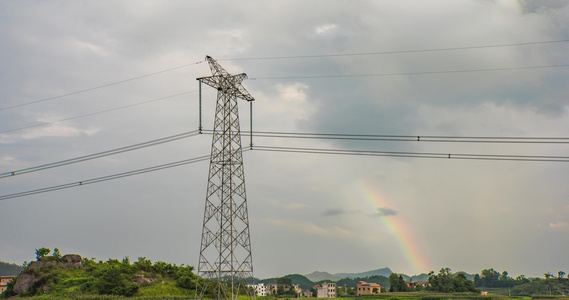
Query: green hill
{"points": [[9, 269], [71, 276], [303, 282], [352, 282]]}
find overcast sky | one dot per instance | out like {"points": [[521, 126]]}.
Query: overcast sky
{"points": [[307, 212]]}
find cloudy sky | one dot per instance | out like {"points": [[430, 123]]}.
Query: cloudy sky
{"points": [[81, 77]]}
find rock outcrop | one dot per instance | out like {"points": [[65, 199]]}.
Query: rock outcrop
{"points": [[31, 275], [24, 282]]}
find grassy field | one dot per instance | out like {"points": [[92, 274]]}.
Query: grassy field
{"points": [[390, 296], [495, 294]]}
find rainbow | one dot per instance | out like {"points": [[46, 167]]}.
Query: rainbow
{"points": [[396, 227]]}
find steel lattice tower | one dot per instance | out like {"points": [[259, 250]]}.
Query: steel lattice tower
{"points": [[225, 261]]}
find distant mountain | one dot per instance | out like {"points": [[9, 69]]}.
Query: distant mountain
{"points": [[8, 269], [319, 276], [382, 272]]}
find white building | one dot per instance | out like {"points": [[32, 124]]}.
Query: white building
{"points": [[326, 290], [260, 289]]}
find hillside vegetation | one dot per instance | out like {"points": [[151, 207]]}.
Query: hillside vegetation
{"points": [[71, 276]]}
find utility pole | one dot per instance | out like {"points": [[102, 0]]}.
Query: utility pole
{"points": [[225, 262]]}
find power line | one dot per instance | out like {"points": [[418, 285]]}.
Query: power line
{"points": [[397, 51], [408, 138], [97, 113], [98, 87], [106, 178], [434, 155], [412, 73], [303, 135], [535, 158], [288, 57], [101, 154]]}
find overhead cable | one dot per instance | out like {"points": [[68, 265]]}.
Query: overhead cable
{"points": [[287, 57], [100, 154], [408, 138], [98, 87], [106, 178], [411, 73], [304, 135], [97, 113], [396, 51], [535, 158]]}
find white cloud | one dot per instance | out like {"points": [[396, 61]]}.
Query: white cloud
{"points": [[88, 47], [57, 130], [287, 107], [311, 229], [289, 206], [325, 29], [561, 226]]}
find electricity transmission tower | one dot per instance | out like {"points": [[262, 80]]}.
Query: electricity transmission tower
{"points": [[225, 261]]}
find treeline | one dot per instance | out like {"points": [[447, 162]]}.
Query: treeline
{"points": [[443, 282], [9, 269], [494, 279], [538, 286], [446, 282], [352, 282]]}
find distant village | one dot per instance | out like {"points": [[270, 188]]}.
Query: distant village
{"points": [[324, 290]]}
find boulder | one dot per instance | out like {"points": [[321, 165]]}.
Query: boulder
{"points": [[40, 264], [141, 279], [24, 283], [71, 258]]}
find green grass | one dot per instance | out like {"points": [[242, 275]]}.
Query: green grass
{"points": [[166, 287]]}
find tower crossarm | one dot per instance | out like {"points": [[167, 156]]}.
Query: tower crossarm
{"points": [[229, 84]]}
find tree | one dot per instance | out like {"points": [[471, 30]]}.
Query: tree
{"points": [[56, 253], [42, 252], [143, 264], [560, 274], [477, 281], [446, 282], [280, 290], [352, 291], [547, 275], [341, 291], [489, 278], [291, 292], [397, 283], [521, 279], [284, 281], [375, 290]]}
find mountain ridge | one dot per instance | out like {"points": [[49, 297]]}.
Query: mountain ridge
{"points": [[10, 269], [382, 271], [319, 276]]}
